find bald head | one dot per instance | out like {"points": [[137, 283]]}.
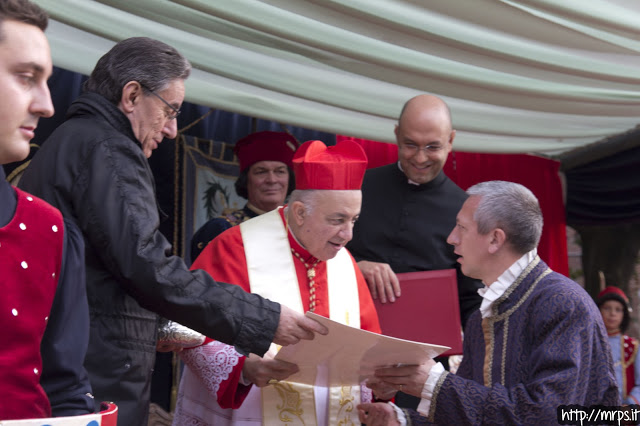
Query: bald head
{"points": [[425, 137], [426, 107]]}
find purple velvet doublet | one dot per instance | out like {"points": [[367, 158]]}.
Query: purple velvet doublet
{"points": [[544, 346]]}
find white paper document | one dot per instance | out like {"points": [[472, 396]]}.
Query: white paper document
{"points": [[351, 355]]}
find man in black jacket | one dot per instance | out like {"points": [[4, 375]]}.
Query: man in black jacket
{"points": [[94, 169]]}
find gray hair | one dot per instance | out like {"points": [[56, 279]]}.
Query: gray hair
{"points": [[150, 62], [512, 208], [308, 197]]}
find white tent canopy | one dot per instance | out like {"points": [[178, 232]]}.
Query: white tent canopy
{"points": [[530, 76]]}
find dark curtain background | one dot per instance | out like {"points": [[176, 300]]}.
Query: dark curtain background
{"points": [[603, 206], [605, 191]]}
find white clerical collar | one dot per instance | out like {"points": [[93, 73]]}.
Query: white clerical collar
{"points": [[408, 180], [491, 293]]}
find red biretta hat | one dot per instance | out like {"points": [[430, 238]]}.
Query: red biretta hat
{"points": [[265, 146], [337, 167]]}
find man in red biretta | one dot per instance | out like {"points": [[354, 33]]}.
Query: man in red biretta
{"points": [[294, 255]]}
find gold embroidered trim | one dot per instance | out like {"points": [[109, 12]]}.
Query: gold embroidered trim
{"points": [[255, 209], [487, 331], [515, 285], [291, 402], [503, 363], [346, 406], [505, 315], [525, 296], [434, 397], [406, 416]]}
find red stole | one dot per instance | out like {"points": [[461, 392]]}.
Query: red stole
{"points": [[30, 259]]}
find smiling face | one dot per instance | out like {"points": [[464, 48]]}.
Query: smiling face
{"points": [[424, 137], [328, 226], [25, 66], [151, 119], [267, 183], [471, 247], [612, 314]]}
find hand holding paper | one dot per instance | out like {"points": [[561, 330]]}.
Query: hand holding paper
{"points": [[352, 355], [261, 370], [381, 390], [410, 379], [294, 327]]}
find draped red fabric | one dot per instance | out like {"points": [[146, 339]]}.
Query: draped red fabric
{"points": [[538, 174], [378, 153]]}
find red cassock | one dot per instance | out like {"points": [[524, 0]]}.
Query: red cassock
{"points": [[224, 259]]}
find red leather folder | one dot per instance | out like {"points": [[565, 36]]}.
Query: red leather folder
{"points": [[428, 310]]}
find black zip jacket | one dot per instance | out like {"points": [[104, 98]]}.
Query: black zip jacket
{"points": [[93, 169]]}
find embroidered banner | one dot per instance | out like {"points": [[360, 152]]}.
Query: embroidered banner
{"points": [[209, 171]]}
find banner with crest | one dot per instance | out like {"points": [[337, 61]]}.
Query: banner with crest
{"points": [[209, 171]]}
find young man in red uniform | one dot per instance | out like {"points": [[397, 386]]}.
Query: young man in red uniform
{"points": [[44, 316]]}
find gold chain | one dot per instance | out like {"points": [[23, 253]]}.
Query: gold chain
{"points": [[311, 275]]}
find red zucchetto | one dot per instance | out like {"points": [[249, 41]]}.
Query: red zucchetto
{"points": [[265, 146], [337, 167]]}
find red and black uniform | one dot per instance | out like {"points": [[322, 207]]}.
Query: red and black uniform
{"points": [[43, 310]]}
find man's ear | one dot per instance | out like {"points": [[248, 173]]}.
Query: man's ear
{"points": [[299, 211], [131, 92], [452, 136], [497, 239]]}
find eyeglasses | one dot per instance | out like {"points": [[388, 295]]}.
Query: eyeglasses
{"points": [[170, 116], [413, 149]]}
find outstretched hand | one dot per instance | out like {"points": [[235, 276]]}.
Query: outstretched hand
{"points": [[294, 326]]}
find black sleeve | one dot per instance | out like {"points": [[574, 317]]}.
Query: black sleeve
{"points": [[66, 338], [125, 237]]}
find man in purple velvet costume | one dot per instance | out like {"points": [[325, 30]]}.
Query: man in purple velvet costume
{"points": [[537, 342]]}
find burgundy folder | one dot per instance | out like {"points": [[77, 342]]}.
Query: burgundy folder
{"points": [[428, 310]]}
